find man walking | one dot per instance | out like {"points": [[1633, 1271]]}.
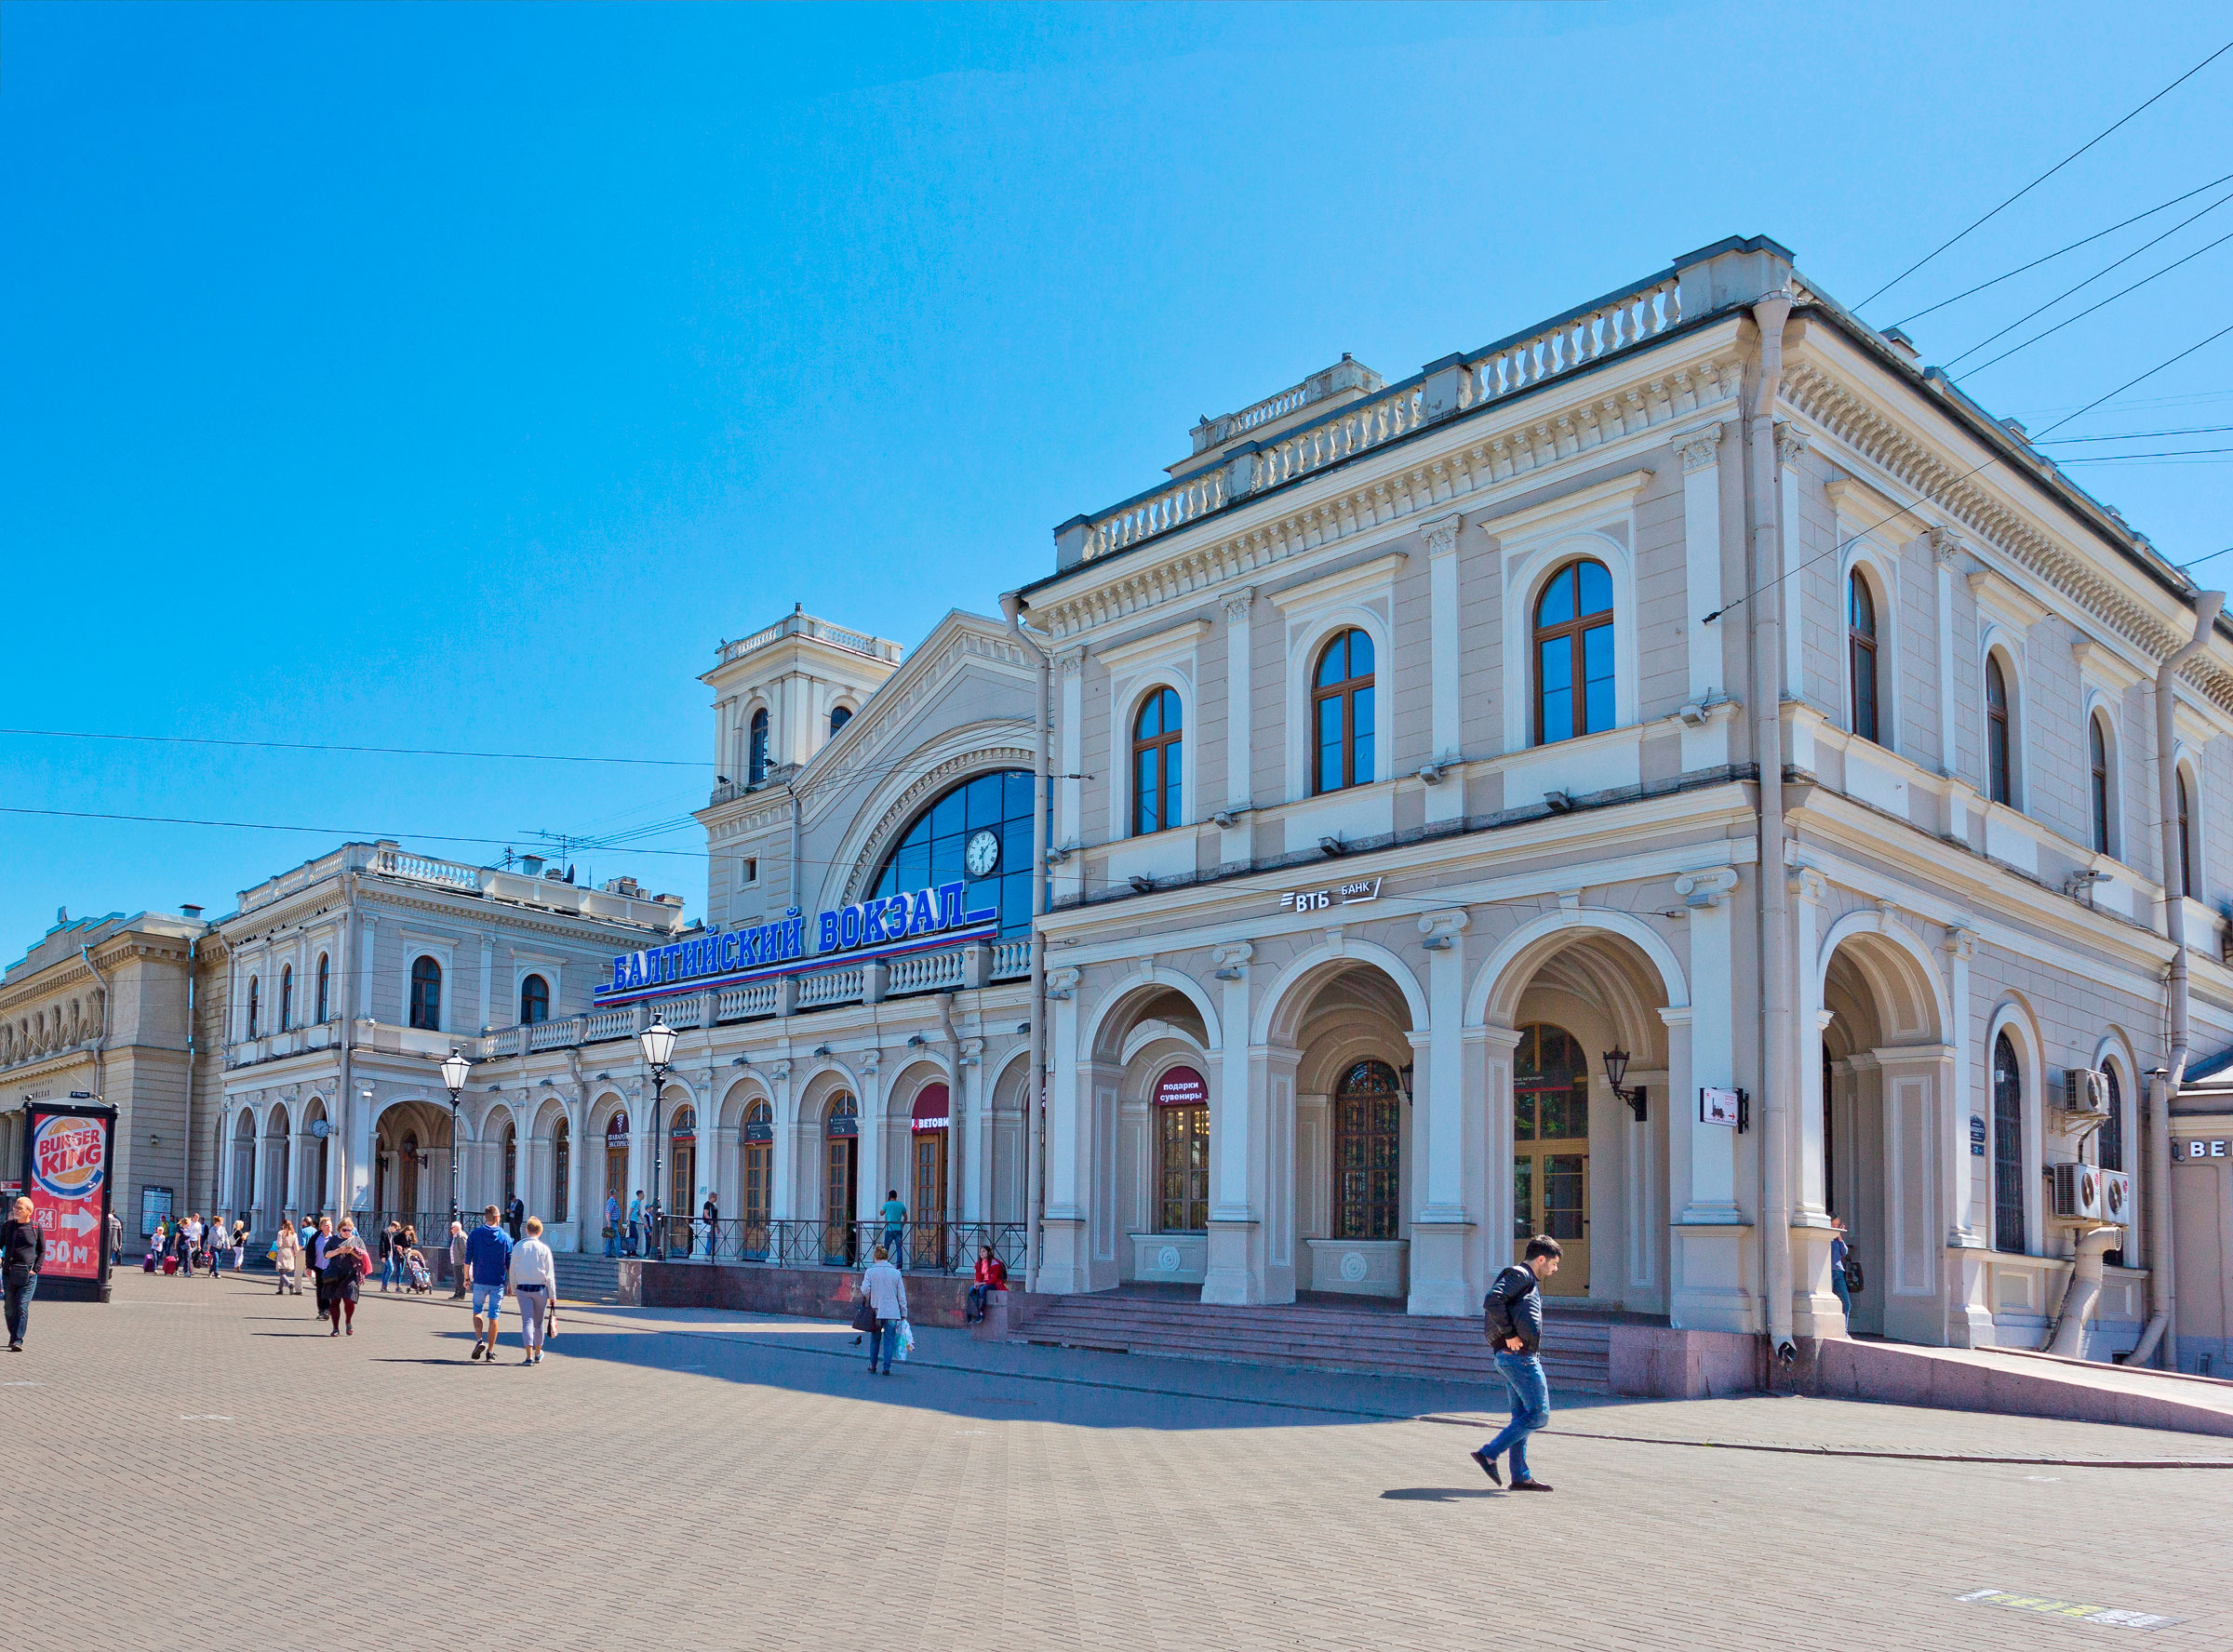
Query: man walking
{"points": [[456, 1261], [389, 1261], [22, 1254], [635, 1224], [612, 1224], [1513, 1315], [895, 1226], [515, 1216], [489, 1253], [712, 1213]]}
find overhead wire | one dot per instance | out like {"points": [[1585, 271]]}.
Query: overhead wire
{"points": [[2089, 310], [189, 739], [2044, 177]]}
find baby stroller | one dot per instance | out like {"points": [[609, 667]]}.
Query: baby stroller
{"points": [[415, 1276]]}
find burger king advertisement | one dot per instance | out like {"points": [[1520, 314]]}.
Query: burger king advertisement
{"points": [[67, 1151]]}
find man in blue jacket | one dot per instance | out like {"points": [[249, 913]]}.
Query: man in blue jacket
{"points": [[489, 1259]]}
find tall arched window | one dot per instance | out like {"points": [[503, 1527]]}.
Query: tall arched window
{"points": [[839, 717], [840, 1181], [511, 1166], [2189, 882], [325, 975], [1158, 737], [979, 832], [2110, 1144], [2008, 1148], [756, 752], [255, 1003], [286, 996], [1340, 713], [2097, 755], [1367, 1152], [534, 1001], [756, 1163], [562, 1169], [426, 994], [1861, 652], [1573, 653], [1999, 768]]}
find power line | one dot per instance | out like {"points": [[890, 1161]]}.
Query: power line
{"points": [[2044, 177], [188, 739], [2089, 310], [2058, 252], [2120, 458], [352, 833], [2192, 430]]}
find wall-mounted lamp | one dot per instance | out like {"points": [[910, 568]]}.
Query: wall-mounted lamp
{"points": [[1023, 1028], [1405, 1074], [1616, 1069]]}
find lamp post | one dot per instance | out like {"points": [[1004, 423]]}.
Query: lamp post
{"points": [[1616, 1069], [454, 1073], [658, 1040]]}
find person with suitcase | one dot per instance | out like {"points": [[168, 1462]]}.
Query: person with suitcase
{"points": [[1512, 1316]]}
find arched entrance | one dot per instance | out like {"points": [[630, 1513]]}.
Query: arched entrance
{"points": [[276, 1152], [317, 1159], [928, 1127], [840, 1181], [1550, 1150], [412, 1156], [244, 1167], [756, 1170], [562, 1170], [616, 1165], [1146, 1088], [682, 1175]]}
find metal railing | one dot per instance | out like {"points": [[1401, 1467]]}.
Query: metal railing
{"points": [[924, 1247]]}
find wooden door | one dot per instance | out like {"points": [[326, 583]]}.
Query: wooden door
{"points": [[1550, 1153]]}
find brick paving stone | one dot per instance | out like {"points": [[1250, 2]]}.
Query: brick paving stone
{"points": [[720, 1481]]}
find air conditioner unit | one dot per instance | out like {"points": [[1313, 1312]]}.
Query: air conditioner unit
{"points": [[2086, 1092], [2077, 1192], [2117, 1197]]}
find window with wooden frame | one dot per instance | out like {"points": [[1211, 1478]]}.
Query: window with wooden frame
{"points": [[1573, 653], [2187, 881], [756, 753], [1340, 713], [1183, 1169], [2097, 755], [324, 979], [1860, 654], [286, 996], [1158, 741], [426, 994], [534, 1001], [1999, 765], [1367, 1152]]}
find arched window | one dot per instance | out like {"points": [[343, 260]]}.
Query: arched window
{"points": [[1861, 652], [841, 1181], [1573, 653], [511, 1166], [1367, 1152], [1182, 1153], [286, 996], [1340, 713], [2008, 1148], [426, 994], [756, 753], [255, 1003], [757, 1161], [2097, 753], [1999, 768], [325, 975], [839, 717], [2189, 882], [979, 832], [682, 1180], [616, 1161], [1156, 740], [562, 1169], [2110, 1144], [534, 1001], [1550, 1140]]}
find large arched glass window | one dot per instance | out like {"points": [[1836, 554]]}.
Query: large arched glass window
{"points": [[1367, 1152], [426, 994], [2097, 755], [1340, 713], [1999, 767], [286, 996], [1158, 737], [255, 1003], [1573, 653], [979, 832], [1861, 653], [756, 751], [2189, 882], [2008, 1148], [324, 979], [534, 1001]]}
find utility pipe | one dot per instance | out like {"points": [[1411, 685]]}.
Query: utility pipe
{"points": [[1769, 314], [1011, 606], [2162, 1324]]}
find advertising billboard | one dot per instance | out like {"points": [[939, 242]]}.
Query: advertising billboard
{"points": [[68, 1147]]}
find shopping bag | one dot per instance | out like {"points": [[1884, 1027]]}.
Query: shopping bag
{"points": [[906, 1339]]}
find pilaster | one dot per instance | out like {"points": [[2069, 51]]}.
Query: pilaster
{"points": [[1445, 801]]}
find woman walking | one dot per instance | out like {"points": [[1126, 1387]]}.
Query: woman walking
{"points": [[287, 1259], [240, 1245], [347, 1261], [314, 1258], [886, 1290], [535, 1284]]}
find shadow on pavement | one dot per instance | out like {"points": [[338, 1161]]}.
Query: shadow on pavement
{"points": [[1437, 1494]]}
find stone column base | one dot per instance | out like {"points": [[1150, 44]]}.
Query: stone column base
{"points": [[1815, 1307], [1064, 1268], [1438, 1279], [1710, 1271], [1235, 1274]]}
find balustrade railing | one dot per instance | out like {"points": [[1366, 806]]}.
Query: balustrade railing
{"points": [[737, 1004], [424, 869], [923, 1247], [1011, 958], [832, 986], [607, 1023], [924, 972]]}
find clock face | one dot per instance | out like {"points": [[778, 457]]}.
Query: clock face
{"points": [[983, 855]]}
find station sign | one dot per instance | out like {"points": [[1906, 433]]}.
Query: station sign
{"points": [[884, 926]]}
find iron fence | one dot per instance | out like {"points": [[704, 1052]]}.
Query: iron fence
{"points": [[918, 1248]]}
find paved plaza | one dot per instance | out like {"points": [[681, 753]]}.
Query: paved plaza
{"points": [[208, 1468]]}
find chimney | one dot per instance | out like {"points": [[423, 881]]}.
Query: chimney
{"points": [[193, 914]]}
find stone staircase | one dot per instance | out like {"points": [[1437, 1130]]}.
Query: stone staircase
{"points": [[1316, 1335], [587, 1276]]}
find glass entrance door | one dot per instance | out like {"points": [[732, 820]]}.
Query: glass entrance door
{"points": [[927, 1209], [1550, 1151]]}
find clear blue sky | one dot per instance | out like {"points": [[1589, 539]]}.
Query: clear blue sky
{"points": [[456, 375]]}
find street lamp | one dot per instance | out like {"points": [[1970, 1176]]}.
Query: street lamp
{"points": [[658, 1040], [454, 1073], [1616, 1069]]}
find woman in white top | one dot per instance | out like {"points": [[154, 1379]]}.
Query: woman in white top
{"points": [[887, 1293], [287, 1257], [534, 1284]]}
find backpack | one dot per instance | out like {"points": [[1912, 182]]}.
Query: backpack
{"points": [[1852, 1271]]}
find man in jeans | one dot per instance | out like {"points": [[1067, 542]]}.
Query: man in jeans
{"points": [[1513, 1316], [489, 1254]]}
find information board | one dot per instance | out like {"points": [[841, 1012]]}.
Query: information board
{"points": [[67, 1147]]}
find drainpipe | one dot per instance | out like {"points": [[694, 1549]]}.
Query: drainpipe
{"points": [[955, 1148], [798, 895], [1011, 606], [1769, 314], [100, 1042], [194, 945], [2162, 1325]]}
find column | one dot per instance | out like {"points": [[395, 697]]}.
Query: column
{"points": [[790, 1147], [1237, 843], [1489, 1052], [576, 1115], [1969, 1315], [964, 1133], [1700, 453], [876, 1140], [1064, 1266], [1241, 1104], [1445, 801], [1442, 1225], [1814, 1310], [1709, 1290], [1070, 762], [1789, 446]]}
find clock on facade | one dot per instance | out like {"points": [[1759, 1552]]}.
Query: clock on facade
{"points": [[983, 854]]}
